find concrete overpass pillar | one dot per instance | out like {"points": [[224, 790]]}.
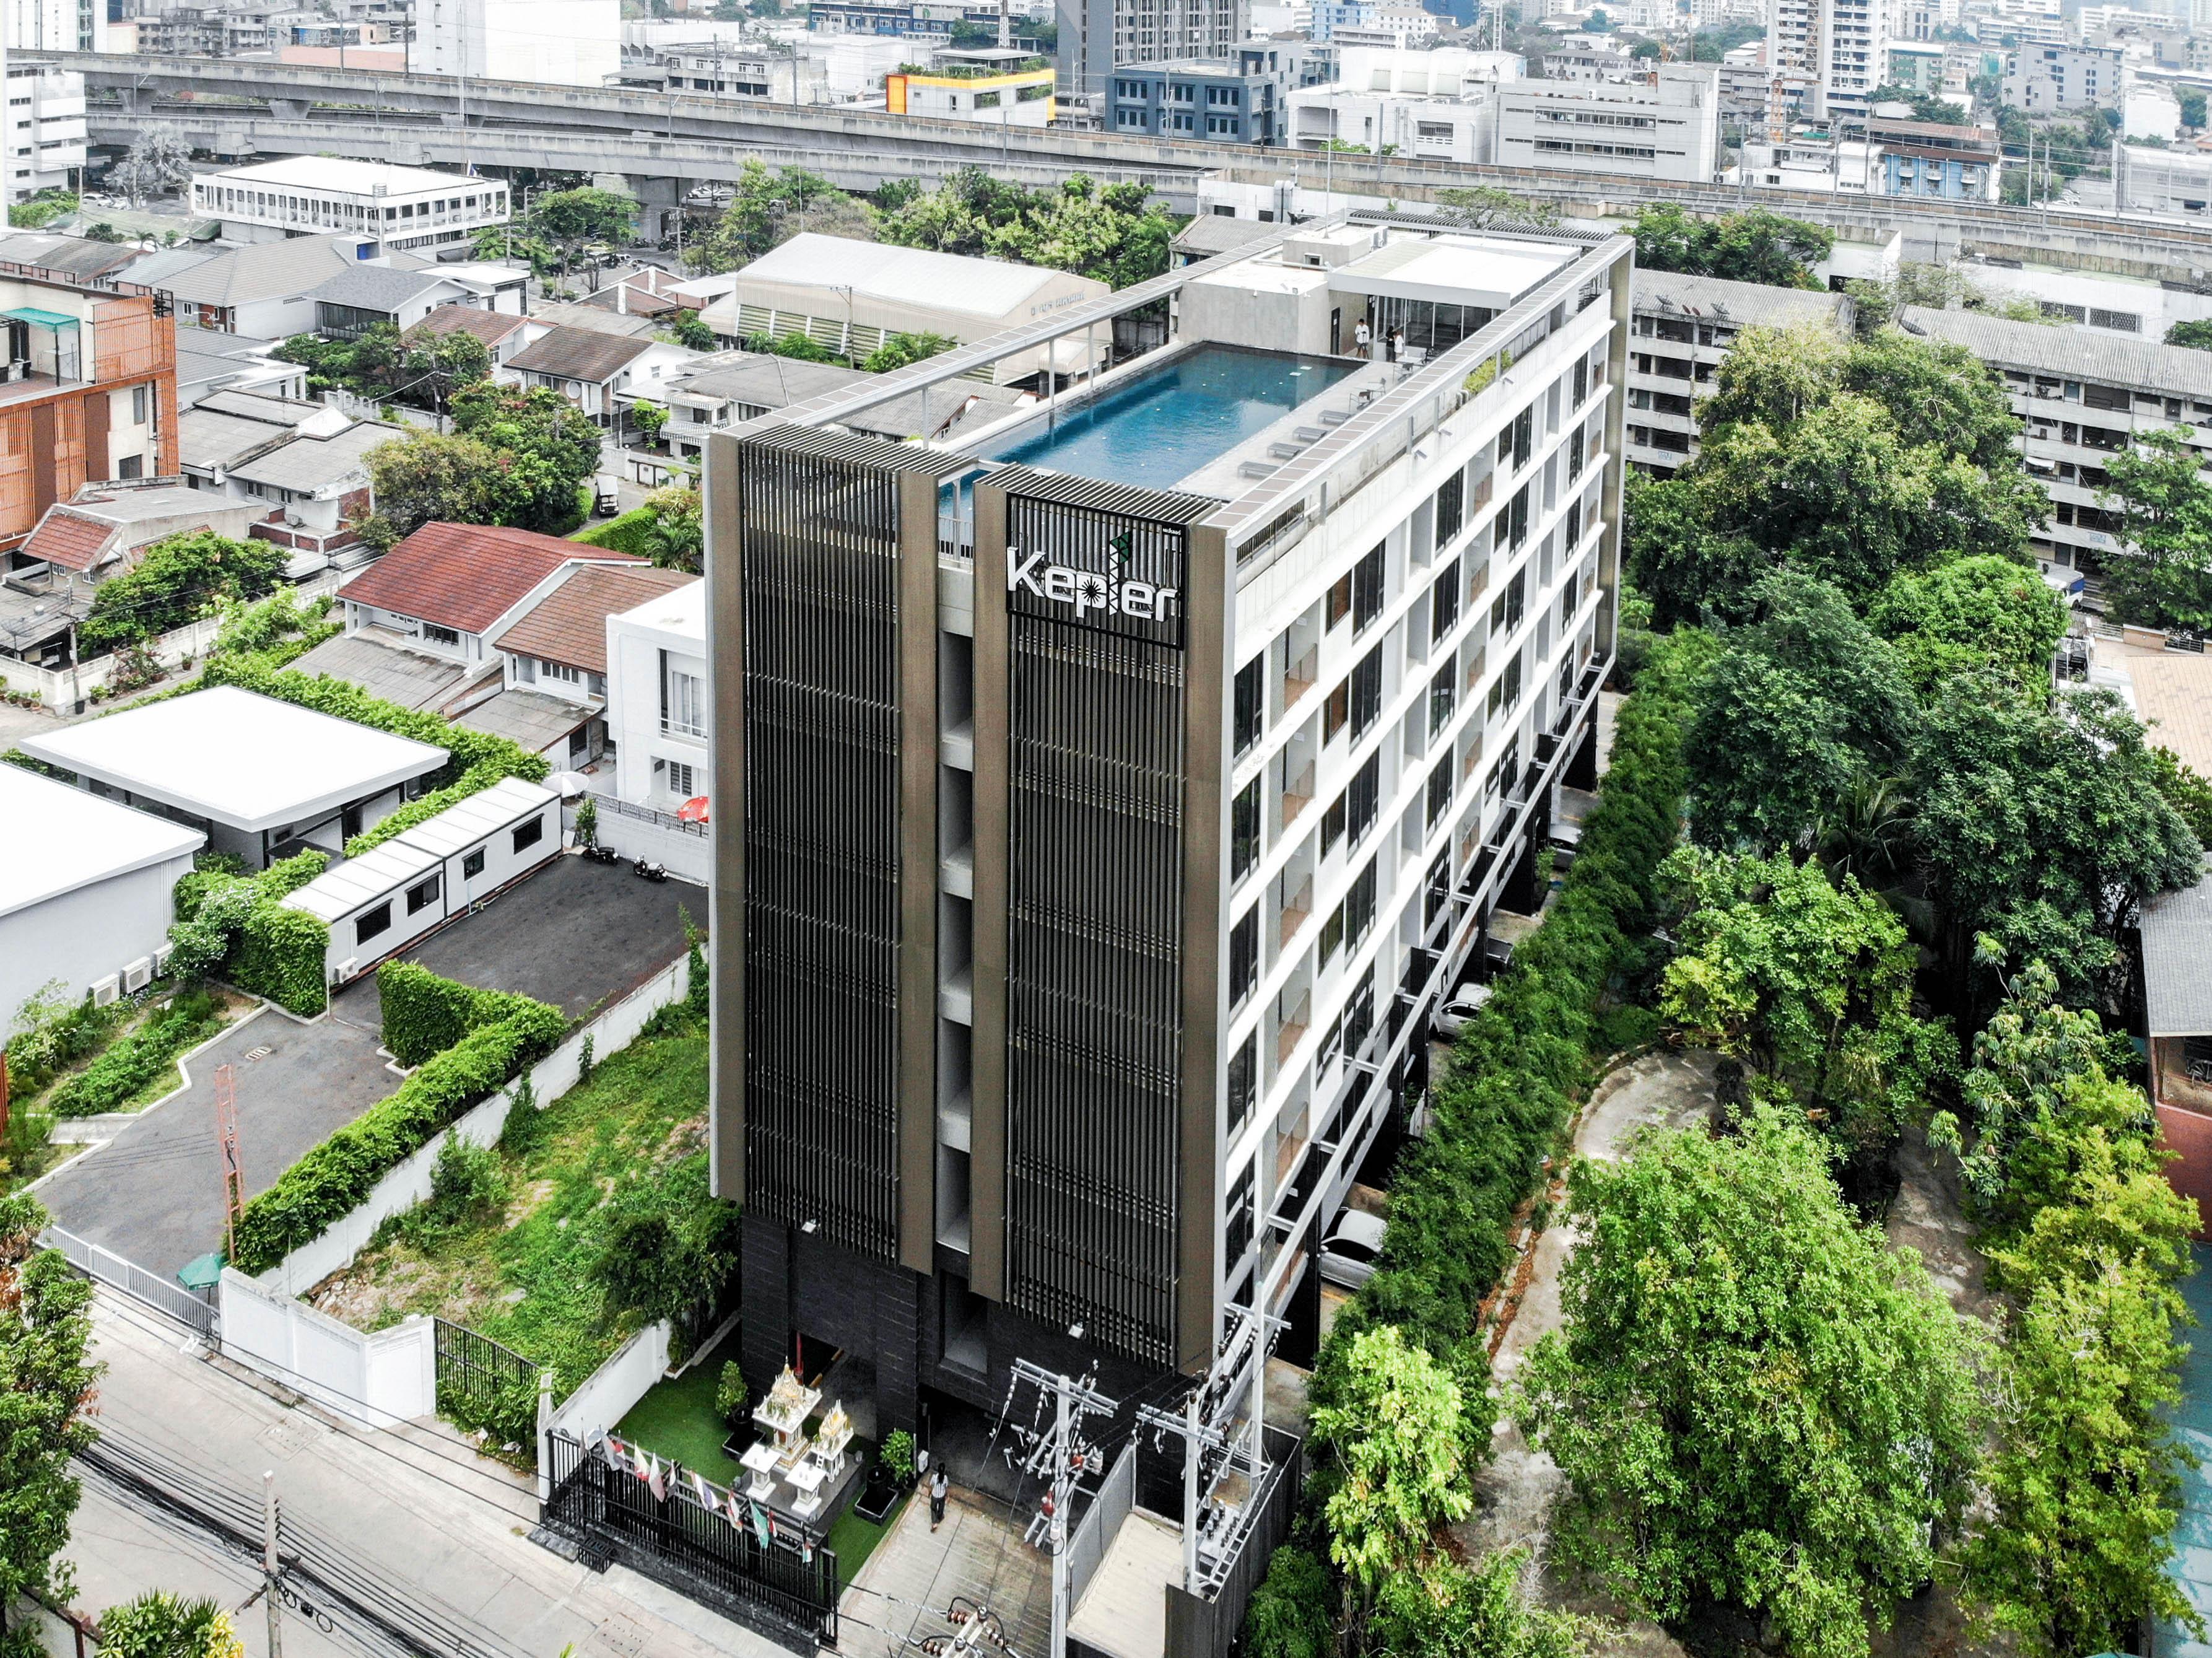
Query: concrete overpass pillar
{"points": [[289, 109]]}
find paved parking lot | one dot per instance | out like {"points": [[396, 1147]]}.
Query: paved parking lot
{"points": [[576, 934]]}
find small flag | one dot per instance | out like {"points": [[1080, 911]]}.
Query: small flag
{"points": [[657, 1481], [762, 1527], [699, 1485], [611, 1453], [637, 1465]]}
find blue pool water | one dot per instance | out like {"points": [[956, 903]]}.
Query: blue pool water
{"points": [[1161, 427]]}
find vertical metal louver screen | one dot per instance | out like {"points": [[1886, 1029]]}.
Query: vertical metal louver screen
{"points": [[821, 822], [1094, 1024]]}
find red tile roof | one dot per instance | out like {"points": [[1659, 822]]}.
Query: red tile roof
{"points": [[466, 576], [489, 326], [63, 537], [569, 624]]}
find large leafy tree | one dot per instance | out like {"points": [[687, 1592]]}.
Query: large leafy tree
{"points": [[1113, 234], [2043, 826], [176, 581], [45, 1391], [2164, 578], [549, 448], [1753, 247], [429, 477], [1800, 706], [1970, 615], [1808, 982], [568, 219], [767, 208], [1753, 1400]]}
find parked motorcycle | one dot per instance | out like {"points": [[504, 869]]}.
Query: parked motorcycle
{"points": [[603, 854], [652, 871]]}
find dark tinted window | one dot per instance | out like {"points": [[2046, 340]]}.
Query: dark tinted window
{"points": [[1249, 696], [1367, 589], [1451, 507], [1444, 602], [1243, 1081], [1243, 956], [1364, 795], [530, 834], [1244, 830], [372, 922], [1366, 690]]}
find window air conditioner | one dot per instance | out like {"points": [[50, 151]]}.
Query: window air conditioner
{"points": [[138, 974], [103, 991]]}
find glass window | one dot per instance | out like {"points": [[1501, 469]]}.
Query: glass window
{"points": [[1441, 690], [1444, 603], [370, 922], [1244, 830], [1363, 797], [1249, 711], [1243, 956], [1366, 691], [1451, 507], [1360, 903], [529, 834], [1331, 824], [682, 703], [420, 898], [1440, 790], [1243, 1081], [1335, 711], [472, 865], [1339, 600], [1367, 589]]}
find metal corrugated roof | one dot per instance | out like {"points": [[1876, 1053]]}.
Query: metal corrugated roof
{"points": [[2070, 353], [378, 873], [1752, 304], [944, 281], [485, 812], [2177, 952]]}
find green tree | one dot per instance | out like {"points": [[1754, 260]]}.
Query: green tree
{"points": [[2042, 825], [547, 448], [648, 418], [1480, 206], [1753, 1399], [1290, 1616], [174, 582], [1756, 245], [2191, 99], [1809, 982], [902, 350], [1974, 614], [430, 477], [1445, 1610], [766, 208], [568, 219], [2161, 578], [677, 537], [692, 331], [2186, 792], [2195, 335], [1392, 1440], [160, 1624], [45, 1391], [1797, 707]]}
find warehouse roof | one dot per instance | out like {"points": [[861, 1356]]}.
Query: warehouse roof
{"points": [[339, 176], [250, 761], [2069, 353], [55, 839], [941, 282], [1747, 304], [2177, 951]]}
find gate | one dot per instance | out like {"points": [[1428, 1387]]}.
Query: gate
{"points": [[482, 1384], [194, 1310], [695, 1550]]}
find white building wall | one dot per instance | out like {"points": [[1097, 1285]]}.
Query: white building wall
{"points": [[1667, 128], [86, 934], [572, 43], [634, 658], [54, 25]]}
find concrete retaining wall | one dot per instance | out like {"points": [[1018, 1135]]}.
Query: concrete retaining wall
{"points": [[383, 1379]]}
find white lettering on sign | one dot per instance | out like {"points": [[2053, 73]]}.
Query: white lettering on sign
{"points": [[1090, 592]]}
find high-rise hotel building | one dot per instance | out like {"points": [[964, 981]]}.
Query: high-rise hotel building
{"points": [[1104, 801]]}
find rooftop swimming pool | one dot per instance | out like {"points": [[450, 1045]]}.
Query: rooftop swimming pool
{"points": [[1160, 426]]}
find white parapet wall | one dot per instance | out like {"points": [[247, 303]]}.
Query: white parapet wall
{"points": [[380, 1379], [607, 1395], [408, 1183]]}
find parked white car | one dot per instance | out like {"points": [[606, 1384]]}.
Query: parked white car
{"points": [[1354, 1243], [1466, 1002]]}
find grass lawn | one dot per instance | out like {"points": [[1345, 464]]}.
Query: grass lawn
{"points": [[853, 1540], [524, 1275], [677, 1419]]}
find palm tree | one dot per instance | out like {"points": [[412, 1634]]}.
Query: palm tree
{"points": [[1867, 831], [160, 1624]]}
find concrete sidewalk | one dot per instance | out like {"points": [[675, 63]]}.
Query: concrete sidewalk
{"points": [[422, 1510]]}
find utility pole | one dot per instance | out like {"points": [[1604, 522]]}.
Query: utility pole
{"points": [[1214, 1439], [1061, 1460], [271, 1583]]}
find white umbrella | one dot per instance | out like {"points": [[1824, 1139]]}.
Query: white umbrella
{"points": [[568, 783]]}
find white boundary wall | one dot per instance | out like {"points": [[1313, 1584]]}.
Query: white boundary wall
{"points": [[608, 1393], [383, 1379], [409, 1183]]}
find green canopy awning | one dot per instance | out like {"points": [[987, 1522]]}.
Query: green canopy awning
{"points": [[37, 318], [203, 1273]]}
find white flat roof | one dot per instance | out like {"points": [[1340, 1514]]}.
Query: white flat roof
{"points": [[344, 888], [1490, 271], [55, 839], [466, 822], [335, 175], [884, 270], [226, 754], [680, 611]]}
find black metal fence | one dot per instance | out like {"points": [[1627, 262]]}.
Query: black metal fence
{"points": [[482, 1384], [698, 1551]]}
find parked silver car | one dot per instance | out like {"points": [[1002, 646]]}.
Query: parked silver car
{"points": [[1465, 1003], [1354, 1243]]}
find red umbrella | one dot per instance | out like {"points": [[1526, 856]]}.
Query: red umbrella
{"points": [[693, 811]]}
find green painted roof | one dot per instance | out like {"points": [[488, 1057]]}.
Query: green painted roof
{"points": [[37, 318]]}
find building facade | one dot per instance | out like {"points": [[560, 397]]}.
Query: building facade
{"points": [[2044, 79], [1107, 842], [1664, 124], [1842, 45], [45, 127], [2147, 180], [567, 43], [1681, 331], [1928, 158], [1097, 37], [390, 207], [2082, 399]]}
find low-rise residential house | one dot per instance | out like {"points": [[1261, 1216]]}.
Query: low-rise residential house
{"points": [[657, 714], [1932, 158], [501, 333], [266, 290], [1681, 330], [69, 256], [87, 390], [644, 291], [2082, 397], [360, 298], [449, 589], [591, 369], [305, 463], [209, 362], [553, 695]]}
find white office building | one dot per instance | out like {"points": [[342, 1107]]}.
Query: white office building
{"points": [[2147, 180], [1842, 46], [562, 43], [1665, 125], [54, 25], [2046, 79], [386, 207], [45, 127]]}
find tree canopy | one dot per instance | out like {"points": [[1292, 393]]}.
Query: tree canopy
{"points": [[1757, 246], [176, 581], [1752, 1398], [1112, 234], [1970, 616], [2165, 578], [514, 457]]}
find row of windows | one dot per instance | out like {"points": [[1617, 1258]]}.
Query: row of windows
{"points": [[374, 923]]}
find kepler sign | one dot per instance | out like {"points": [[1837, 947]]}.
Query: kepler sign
{"points": [[1092, 592]]}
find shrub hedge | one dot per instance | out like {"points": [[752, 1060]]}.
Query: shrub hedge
{"points": [[344, 701], [476, 779], [116, 1076], [425, 1015], [237, 926], [1512, 1083], [631, 533], [336, 1175]]}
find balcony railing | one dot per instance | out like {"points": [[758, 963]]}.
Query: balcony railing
{"points": [[1297, 793], [1296, 910]]}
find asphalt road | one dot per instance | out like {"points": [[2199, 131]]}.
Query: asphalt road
{"points": [[576, 934]]}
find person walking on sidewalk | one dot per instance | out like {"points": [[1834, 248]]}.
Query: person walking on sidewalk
{"points": [[938, 1485]]}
